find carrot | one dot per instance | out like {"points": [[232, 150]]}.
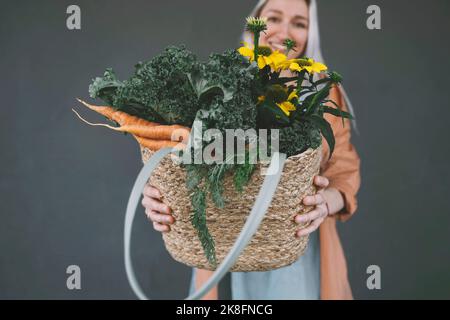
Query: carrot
{"points": [[169, 132], [155, 145], [160, 132], [120, 117]]}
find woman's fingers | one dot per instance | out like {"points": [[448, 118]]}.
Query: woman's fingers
{"points": [[151, 192], [311, 228], [316, 216], [321, 181], [314, 200], [160, 227], [156, 210], [155, 205], [318, 212], [158, 217]]}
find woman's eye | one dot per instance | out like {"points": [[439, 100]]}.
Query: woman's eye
{"points": [[300, 25], [273, 19]]}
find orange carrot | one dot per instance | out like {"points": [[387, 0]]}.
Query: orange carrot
{"points": [[155, 145], [120, 117], [169, 132], [160, 132]]}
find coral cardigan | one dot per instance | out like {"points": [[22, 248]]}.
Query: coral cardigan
{"points": [[343, 172]]}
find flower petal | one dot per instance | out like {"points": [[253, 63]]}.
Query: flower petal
{"points": [[319, 67], [247, 52], [286, 107], [295, 67], [278, 57], [292, 95], [263, 61]]}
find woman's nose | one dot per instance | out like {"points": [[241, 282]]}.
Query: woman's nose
{"points": [[282, 31]]}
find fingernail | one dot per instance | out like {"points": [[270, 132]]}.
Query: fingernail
{"points": [[299, 219]]}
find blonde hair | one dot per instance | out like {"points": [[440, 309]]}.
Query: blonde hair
{"points": [[313, 49]]}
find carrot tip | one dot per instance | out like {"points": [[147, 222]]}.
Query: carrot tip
{"points": [[93, 124], [83, 102]]}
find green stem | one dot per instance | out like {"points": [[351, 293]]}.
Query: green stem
{"points": [[256, 44], [301, 77]]}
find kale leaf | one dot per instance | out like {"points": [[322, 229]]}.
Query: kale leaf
{"points": [[300, 136], [237, 76], [159, 90]]}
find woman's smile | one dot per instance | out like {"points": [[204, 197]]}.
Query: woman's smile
{"points": [[286, 19]]}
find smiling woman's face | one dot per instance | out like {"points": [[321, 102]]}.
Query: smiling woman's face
{"points": [[286, 19]]}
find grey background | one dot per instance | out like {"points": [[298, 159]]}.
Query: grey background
{"points": [[64, 185]]}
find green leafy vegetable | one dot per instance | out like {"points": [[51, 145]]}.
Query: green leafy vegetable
{"points": [[159, 90]]}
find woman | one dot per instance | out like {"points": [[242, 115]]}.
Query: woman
{"points": [[321, 272]]}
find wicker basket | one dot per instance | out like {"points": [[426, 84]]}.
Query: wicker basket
{"points": [[273, 246]]}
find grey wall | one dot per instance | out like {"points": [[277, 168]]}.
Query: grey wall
{"points": [[64, 186]]}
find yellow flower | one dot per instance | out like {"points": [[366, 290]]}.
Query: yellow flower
{"points": [[261, 99], [309, 65], [286, 107], [285, 64], [246, 51], [273, 60], [267, 58], [276, 58], [263, 61]]}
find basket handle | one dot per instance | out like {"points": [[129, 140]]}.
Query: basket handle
{"points": [[250, 227]]}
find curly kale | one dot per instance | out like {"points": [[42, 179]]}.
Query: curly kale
{"points": [[237, 77], [105, 87], [159, 90], [299, 137]]}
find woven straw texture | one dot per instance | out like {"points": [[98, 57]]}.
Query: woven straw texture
{"points": [[273, 246]]}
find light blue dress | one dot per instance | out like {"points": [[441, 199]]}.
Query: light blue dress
{"points": [[299, 281]]}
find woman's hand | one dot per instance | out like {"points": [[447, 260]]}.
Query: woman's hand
{"points": [[156, 210], [159, 213], [316, 216]]}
